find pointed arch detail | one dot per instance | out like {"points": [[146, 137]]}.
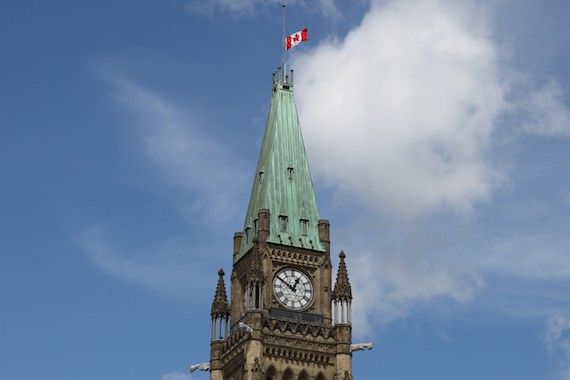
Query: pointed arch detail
{"points": [[288, 374], [303, 375], [271, 373]]}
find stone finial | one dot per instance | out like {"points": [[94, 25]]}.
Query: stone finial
{"points": [[342, 289], [220, 307]]}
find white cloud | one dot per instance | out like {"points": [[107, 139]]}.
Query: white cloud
{"points": [[416, 94], [557, 340], [175, 376], [400, 119]]}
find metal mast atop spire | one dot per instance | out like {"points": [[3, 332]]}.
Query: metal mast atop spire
{"points": [[283, 43]]}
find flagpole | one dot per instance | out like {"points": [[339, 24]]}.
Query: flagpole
{"points": [[283, 46]]}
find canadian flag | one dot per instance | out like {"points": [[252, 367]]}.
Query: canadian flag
{"points": [[296, 38]]}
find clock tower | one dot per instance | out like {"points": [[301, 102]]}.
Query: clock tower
{"points": [[284, 319]]}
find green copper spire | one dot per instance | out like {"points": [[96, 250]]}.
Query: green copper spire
{"points": [[283, 183]]}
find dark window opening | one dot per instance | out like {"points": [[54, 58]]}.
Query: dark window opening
{"points": [[304, 227], [257, 296], [283, 223]]}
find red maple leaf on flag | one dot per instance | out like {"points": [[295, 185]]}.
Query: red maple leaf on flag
{"points": [[296, 38]]}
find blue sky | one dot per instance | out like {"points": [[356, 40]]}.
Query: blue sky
{"points": [[438, 134]]}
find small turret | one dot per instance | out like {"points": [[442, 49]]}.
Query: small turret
{"points": [[342, 294], [220, 310]]}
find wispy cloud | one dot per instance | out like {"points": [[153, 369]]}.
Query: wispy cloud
{"points": [[175, 376], [169, 267], [535, 255], [182, 153], [207, 179], [209, 7], [546, 112], [557, 340]]}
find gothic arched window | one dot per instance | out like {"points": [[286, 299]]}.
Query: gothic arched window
{"points": [[288, 374], [303, 376], [320, 376], [271, 373]]}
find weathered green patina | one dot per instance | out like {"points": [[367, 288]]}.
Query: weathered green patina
{"points": [[283, 183]]}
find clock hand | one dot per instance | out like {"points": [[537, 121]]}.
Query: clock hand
{"points": [[293, 288]]}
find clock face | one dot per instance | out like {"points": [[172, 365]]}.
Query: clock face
{"points": [[292, 288]]}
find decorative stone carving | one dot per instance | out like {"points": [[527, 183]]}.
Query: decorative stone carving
{"points": [[234, 365], [302, 328]]}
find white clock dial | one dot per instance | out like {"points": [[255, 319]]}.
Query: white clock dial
{"points": [[292, 288]]}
